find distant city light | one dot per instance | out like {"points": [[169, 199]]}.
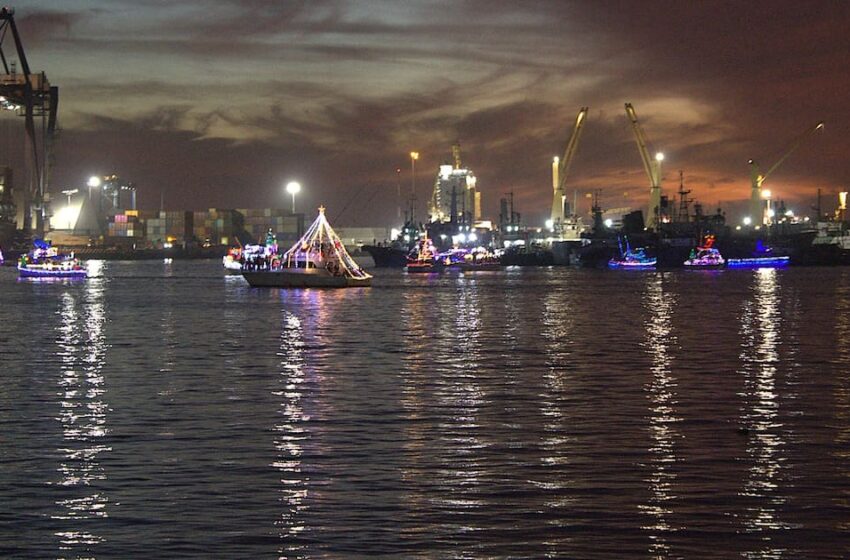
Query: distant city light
{"points": [[748, 221], [766, 193], [94, 181], [609, 222]]}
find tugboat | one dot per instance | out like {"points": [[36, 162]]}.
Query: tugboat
{"points": [[705, 256], [45, 261], [317, 260], [633, 259], [423, 258]]}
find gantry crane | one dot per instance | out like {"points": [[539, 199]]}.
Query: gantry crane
{"points": [[652, 166], [31, 95], [561, 167], [757, 214]]}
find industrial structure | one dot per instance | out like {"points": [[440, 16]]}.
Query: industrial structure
{"points": [[758, 211], [455, 198], [652, 166], [31, 96], [560, 170]]}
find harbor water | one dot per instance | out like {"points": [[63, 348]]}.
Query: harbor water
{"points": [[170, 411]]}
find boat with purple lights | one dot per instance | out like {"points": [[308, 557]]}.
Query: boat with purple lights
{"points": [[45, 261], [706, 256]]}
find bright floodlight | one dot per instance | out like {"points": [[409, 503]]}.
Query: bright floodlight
{"points": [[293, 187], [556, 159], [748, 221], [94, 181], [609, 222], [414, 155], [550, 224], [766, 193], [659, 157]]}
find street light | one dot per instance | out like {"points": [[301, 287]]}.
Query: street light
{"points": [[94, 182], [413, 157], [293, 188]]}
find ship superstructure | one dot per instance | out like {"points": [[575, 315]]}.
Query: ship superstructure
{"points": [[455, 197]]}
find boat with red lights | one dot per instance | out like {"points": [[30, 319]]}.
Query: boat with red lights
{"points": [[423, 258], [706, 256]]}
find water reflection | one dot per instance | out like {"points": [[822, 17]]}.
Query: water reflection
{"points": [[760, 333], [661, 391], [291, 434], [842, 390], [83, 416]]}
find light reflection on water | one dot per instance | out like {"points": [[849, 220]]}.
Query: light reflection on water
{"points": [[761, 326], [83, 415], [661, 389], [291, 435], [527, 413]]}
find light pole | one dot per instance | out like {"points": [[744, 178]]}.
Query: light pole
{"points": [[293, 188], [413, 157], [69, 193], [94, 182]]}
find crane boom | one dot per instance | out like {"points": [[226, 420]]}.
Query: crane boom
{"points": [[560, 168], [757, 178], [651, 166]]}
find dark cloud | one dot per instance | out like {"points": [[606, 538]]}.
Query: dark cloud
{"points": [[219, 102]]}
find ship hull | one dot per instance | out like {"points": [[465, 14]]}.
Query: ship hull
{"points": [[387, 257], [302, 278]]}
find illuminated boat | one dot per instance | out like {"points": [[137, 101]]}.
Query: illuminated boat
{"points": [[423, 258], [706, 256], [480, 259], [317, 260], [232, 261], [45, 261], [634, 259], [763, 257]]}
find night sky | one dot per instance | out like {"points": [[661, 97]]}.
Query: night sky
{"points": [[220, 103]]}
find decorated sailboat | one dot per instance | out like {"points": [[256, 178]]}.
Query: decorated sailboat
{"points": [[45, 261], [317, 260], [632, 258]]}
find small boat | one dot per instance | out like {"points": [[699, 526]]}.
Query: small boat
{"points": [[763, 257], [706, 256], [632, 259], [45, 261], [423, 258], [317, 260], [232, 261], [480, 259]]}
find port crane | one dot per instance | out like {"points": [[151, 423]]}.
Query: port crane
{"points": [[561, 167], [31, 96], [652, 166], [758, 179]]}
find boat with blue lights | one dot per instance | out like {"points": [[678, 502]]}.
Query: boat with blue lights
{"points": [[317, 260], [706, 256], [45, 261], [632, 259], [763, 257]]}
